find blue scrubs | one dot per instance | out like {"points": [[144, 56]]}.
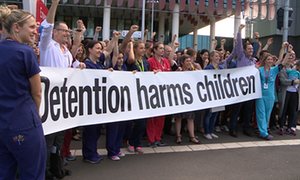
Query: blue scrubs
{"points": [[22, 142], [91, 134], [265, 104]]}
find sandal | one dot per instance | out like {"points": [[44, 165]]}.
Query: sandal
{"points": [[178, 139], [194, 140]]}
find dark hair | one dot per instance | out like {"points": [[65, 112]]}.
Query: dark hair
{"points": [[58, 23], [190, 51], [246, 44], [90, 44], [182, 59], [199, 59]]}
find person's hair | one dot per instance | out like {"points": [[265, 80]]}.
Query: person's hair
{"points": [[191, 52], [155, 46], [199, 58], [212, 53], [148, 45], [137, 43], [89, 45], [81, 59], [262, 52], [8, 17], [246, 44], [182, 59], [57, 24], [264, 58]]}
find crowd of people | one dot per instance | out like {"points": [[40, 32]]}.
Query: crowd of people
{"points": [[24, 150]]}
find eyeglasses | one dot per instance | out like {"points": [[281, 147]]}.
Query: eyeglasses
{"points": [[64, 30]]}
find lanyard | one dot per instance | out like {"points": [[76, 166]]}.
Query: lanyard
{"points": [[140, 64], [267, 74]]}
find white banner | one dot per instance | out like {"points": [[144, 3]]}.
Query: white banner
{"points": [[74, 97]]}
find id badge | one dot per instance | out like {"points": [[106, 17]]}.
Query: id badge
{"points": [[265, 86]]}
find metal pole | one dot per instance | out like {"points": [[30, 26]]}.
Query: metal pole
{"points": [[152, 18], [251, 20], [286, 21], [143, 19]]}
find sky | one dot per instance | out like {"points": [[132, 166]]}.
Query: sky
{"points": [[220, 30]]}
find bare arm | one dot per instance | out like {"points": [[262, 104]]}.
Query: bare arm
{"points": [[174, 46], [115, 55], [52, 11], [282, 50], [131, 57], [36, 90], [111, 44], [96, 34], [127, 38], [269, 42], [145, 35]]}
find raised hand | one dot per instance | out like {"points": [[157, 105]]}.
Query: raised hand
{"points": [[98, 28], [134, 28], [241, 27], [270, 41], [223, 41]]}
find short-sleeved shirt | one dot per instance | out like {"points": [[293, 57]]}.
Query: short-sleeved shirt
{"points": [[17, 65], [91, 65], [269, 78]]}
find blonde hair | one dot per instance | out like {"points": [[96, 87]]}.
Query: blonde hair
{"points": [[8, 17], [264, 58]]}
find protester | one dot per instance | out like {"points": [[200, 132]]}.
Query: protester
{"points": [[155, 124], [264, 105], [137, 63], [54, 53], [209, 116], [186, 64], [22, 142], [289, 94], [244, 58]]}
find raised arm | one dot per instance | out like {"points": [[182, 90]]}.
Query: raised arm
{"points": [[115, 55], [47, 25], [52, 12], [174, 46], [238, 48], [131, 57], [127, 38], [96, 34], [111, 44], [269, 42], [283, 48]]}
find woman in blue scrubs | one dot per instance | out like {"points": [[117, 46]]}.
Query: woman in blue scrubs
{"points": [[22, 142], [264, 105]]}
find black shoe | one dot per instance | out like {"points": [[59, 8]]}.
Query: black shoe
{"points": [[247, 133], [152, 145], [160, 144], [233, 134]]}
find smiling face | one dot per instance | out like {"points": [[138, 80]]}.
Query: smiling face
{"points": [[61, 33], [215, 57], [95, 51], [140, 49], [27, 33], [249, 50]]}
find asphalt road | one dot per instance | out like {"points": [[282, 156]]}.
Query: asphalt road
{"points": [[276, 162], [243, 158]]}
